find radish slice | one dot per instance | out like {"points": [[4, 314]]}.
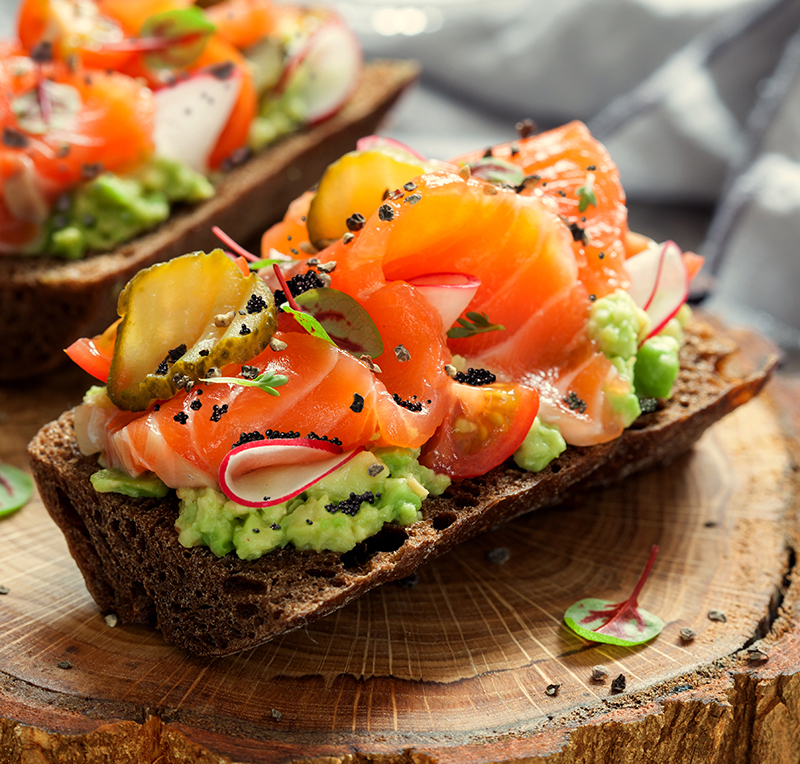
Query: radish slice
{"points": [[659, 282], [449, 293], [380, 142], [268, 472], [324, 71], [191, 115]]}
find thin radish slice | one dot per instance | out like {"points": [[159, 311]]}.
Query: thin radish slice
{"points": [[191, 115], [380, 142], [268, 472], [659, 282], [323, 73], [449, 293]]}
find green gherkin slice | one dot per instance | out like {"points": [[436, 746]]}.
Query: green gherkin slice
{"points": [[181, 318]]}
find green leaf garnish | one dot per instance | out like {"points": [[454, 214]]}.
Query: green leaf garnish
{"points": [[184, 32], [308, 322], [257, 265], [586, 195], [623, 623], [344, 320], [266, 381], [473, 324], [16, 489]]}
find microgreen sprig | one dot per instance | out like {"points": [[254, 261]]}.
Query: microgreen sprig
{"points": [[586, 195], [473, 324], [266, 381], [622, 623]]}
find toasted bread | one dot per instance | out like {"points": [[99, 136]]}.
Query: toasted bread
{"points": [[128, 552], [46, 303]]}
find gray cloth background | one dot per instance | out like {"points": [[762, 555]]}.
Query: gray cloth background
{"points": [[697, 100]]}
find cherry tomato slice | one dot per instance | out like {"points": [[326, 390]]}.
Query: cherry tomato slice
{"points": [[483, 428], [93, 354]]}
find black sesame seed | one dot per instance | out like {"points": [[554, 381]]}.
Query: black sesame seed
{"points": [[222, 71], [526, 128], [355, 222], [499, 555], [42, 52], [14, 139]]}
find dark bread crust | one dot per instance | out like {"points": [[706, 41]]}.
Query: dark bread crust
{"points": [[46, 303], [128, 552]]}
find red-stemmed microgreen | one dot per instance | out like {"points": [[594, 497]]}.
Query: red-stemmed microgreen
{"points": [[233, 245], [622, 623], [306, 320], [254, 262], [16, 489]]}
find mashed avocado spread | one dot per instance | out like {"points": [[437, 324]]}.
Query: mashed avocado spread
{"points": [[111, 209], [336, 513]]}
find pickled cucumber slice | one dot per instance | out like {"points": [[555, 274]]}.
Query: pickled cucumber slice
{"points": [[179, 319], [356, 183]]}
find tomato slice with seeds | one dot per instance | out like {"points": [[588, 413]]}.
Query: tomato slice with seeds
{"points": [[93, 354], [483, 428]]}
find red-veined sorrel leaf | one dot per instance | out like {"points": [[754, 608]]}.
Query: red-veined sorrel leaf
{"points": [[346, 322], [621, 623], [184, 32], [16, 489]]}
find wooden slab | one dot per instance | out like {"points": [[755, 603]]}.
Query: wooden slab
{"points": [[456, 667]]}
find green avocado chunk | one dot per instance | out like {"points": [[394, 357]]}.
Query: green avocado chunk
{"points": [[657, 367], [542, 444], [116, 481], [336, 513], [111, 209]]}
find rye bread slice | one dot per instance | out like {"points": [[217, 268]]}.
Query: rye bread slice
{"points": [[46, 303], [128, 552]]}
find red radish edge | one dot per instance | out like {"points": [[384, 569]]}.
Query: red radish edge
{"points": [[449, 293], [662, 276], [296, 60], [321, 458], [377, 142]]}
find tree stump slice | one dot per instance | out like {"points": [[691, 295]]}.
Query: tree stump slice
{"points": [[455, 668]]}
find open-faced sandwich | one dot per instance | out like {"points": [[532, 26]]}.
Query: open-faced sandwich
{"points": [[424, 350], [128, 126]]}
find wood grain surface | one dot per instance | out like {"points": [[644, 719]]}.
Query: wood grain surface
{"points": [[455, 668]]}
